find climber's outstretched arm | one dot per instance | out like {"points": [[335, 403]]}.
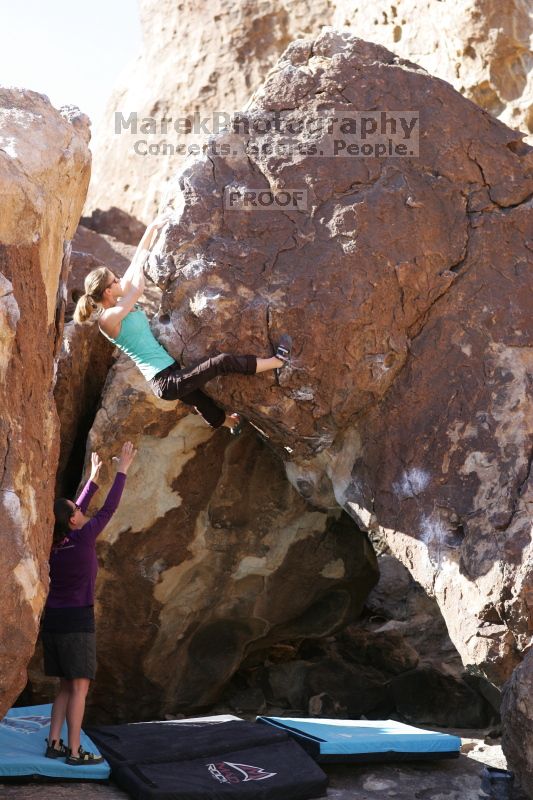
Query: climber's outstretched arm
{"points": [[134, 275]]}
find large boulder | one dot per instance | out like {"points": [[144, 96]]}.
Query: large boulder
{"points": [[405, 284], [211, 555], [482, 47], [44, 173]]}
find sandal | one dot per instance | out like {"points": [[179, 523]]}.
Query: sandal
{"points": [[84, 759], [52, 751], [284, 348]]}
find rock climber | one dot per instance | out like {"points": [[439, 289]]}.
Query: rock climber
{"points": [[125, 324]]}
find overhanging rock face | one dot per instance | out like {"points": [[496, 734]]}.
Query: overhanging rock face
{"points": [[44, 173], [405, 284]]}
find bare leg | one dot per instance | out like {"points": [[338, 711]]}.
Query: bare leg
{"points": [[264, 364], [75, 711], [231, 421], [59, 711]]}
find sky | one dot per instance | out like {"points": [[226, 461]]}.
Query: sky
{"points": [[71, 50]]}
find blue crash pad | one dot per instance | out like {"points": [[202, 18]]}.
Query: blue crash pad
{"points": [[366, 740], [22, 744]]}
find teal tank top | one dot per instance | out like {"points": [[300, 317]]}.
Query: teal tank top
{"points": [[139, 343]]}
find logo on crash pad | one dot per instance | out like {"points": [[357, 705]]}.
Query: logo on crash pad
{"points": [[227, 772], [30, 724]]}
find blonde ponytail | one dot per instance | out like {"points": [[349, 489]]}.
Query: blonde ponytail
{"points": [[84, 310], [96, 282]]}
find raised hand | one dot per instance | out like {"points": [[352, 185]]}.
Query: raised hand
{"points": [[162, 219], [127, 455], [151, 232], [96, 463]]}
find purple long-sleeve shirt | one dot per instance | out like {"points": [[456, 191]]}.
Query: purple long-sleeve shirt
{"points": [[73, 563]]}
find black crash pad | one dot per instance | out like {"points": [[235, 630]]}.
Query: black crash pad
{"points": [[208, 761]]}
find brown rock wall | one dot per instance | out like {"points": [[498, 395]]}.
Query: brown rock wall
{"points": [[44, 172]]}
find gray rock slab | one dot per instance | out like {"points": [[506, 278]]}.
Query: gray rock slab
{"points": [[457, 779]]}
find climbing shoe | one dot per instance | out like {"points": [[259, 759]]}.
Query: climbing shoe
{"points": [[83, 758], [236, 429], [61, 751], [284, 348]]}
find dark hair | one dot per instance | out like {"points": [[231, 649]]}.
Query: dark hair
{"points": [[62, 513]]}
